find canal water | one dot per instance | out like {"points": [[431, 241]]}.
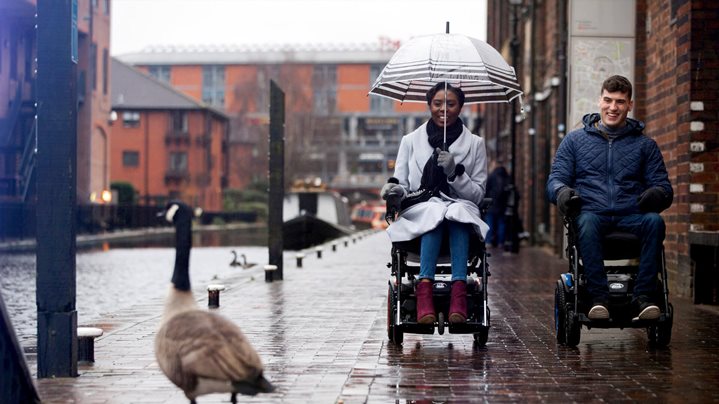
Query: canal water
{"points": [[113, 276]]}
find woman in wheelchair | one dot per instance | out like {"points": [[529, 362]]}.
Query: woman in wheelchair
{"points": [[614, 178], [438, 185]]}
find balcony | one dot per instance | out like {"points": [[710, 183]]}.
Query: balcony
{"points": [[177, 176], [177, 138]]}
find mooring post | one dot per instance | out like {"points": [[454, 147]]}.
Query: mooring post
{"points": [[56, 187], [277, 181]]}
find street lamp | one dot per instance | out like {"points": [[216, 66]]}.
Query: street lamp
{"points": [[512, 199]]}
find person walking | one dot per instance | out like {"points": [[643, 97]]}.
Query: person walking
{"points": [[497, 183]]}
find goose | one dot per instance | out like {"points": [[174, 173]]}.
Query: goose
{"points": [[202, 352], [244, 264]]}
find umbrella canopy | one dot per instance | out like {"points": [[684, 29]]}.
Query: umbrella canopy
{"points": [[468, 63]]}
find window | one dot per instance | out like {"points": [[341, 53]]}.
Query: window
{"points": [[105, 62], [130, 119], [130, 158], [178, 162], [324, 83], [376, 103], [264, 75], [213, 85], [93, 65], [178, 122], [161, 73]]}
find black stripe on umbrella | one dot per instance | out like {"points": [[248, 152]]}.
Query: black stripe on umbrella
{"points": [[468, 63]]}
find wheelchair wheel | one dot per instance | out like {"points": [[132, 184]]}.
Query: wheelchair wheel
{"points": [[481, 337], [560, 313], [394, 333], [660, 334], [573, 329]]}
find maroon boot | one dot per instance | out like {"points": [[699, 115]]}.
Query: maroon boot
{"points": [[458, 302], [425, 306]]}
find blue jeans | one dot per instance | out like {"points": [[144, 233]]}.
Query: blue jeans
{"points": [[458, 249], [650, 229], [497, 226]]}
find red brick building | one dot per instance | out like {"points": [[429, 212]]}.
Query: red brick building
{"points": [[164, 143], [17, 90], [333, 129], [668, 48]]}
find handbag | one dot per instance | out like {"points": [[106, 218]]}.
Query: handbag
{"points": [[420, 195]]}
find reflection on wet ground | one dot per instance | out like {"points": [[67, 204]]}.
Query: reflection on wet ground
{"points": [[523, 362], [118, 274], [321, 334]]}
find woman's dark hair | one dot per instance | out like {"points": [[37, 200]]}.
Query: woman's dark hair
{"points": [[440, 87]]}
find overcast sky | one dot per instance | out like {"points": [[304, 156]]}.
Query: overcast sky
{"points": [[139, 23]]}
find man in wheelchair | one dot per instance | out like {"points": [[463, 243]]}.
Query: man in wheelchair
{"points": [[615, 178]]}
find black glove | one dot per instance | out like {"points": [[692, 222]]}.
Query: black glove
{"points": [[652, 200], [565, 201]]}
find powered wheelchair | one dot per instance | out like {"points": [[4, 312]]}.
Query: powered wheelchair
{"points": [[402, 301], [621, 262]]}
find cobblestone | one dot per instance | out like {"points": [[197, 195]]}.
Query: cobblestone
{"points": [[321, 333]]}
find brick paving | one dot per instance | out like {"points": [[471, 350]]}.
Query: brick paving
{"points": [[321, 333]]}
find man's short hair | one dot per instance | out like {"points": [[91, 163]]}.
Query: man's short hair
{"points": [[618, 83]]}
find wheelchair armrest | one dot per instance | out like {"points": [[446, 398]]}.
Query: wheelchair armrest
{"points": [[574, 206]]}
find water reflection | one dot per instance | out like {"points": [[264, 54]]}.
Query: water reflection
{"points": [[115, 274]]}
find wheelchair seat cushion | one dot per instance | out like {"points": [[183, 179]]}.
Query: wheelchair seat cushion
{"points": [[621, 245]]}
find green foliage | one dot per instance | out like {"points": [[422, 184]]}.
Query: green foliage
{"points": [[254, 198], [125, 192]]}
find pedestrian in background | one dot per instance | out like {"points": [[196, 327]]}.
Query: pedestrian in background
{"points": [[497, 190]]}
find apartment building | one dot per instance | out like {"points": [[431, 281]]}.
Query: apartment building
{"points": [[17, 86], [333, 129], [164, 143]]}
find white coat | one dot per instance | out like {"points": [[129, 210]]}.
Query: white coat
{"points": [[466, 191]]}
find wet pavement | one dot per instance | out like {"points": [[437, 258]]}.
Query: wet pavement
{"points": [[321, 334]]}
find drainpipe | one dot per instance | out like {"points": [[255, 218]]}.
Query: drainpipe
{"points": [[562, 35], [533, 131]]}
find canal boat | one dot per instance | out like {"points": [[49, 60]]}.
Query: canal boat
{"points": [[312, 216]]}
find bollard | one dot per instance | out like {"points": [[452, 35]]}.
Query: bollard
{"points": [[299, 257], [213, 295], [354, 240], [346, 242], [270, 268], [319, 252], [86, 343], [334, 246]]}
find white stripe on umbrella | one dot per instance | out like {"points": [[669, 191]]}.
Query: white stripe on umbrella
{"points": [[468, 63]]}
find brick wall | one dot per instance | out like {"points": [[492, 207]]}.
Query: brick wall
{"points": [[676, 90]]}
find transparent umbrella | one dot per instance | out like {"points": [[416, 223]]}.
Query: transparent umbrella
{"points": [[464, 62]]}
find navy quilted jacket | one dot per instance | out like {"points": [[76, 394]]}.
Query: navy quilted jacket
{"points": [[608, 175]]}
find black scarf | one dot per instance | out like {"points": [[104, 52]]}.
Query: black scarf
{"points": [[436, 133], [433, 178]]}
